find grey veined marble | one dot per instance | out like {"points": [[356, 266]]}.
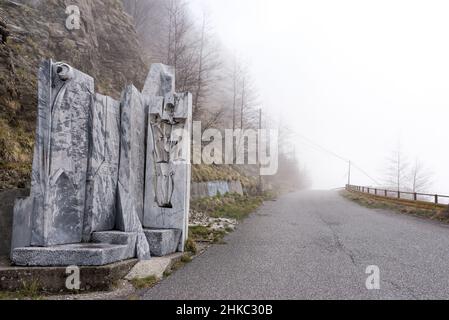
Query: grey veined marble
{"points": [[100, 210], [131, 181], [167, 191], [60, 156], [104, 170]]}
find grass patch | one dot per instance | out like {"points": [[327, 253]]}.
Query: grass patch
{"points": [[233, 206], [144, 283], [198, 232], [429, 211], [205, 234], [167, 273], [29, 291], [186, 258], [205, 173], [191, 247], [10, 296], [228, 206]]}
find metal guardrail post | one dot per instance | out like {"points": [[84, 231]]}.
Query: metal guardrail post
{"points": [[436, 199], [386, 193], [415, 196], [399, 194]]}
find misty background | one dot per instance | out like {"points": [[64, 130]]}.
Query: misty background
{"points": [[343, 80], [359, 78]]}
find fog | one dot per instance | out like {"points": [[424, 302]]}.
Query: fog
{"points": [[355, 77]]}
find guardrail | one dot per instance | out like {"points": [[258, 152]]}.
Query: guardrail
{"points": [[437, 199]]}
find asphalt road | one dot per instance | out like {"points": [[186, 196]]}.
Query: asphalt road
{"points": [[317, 245]]}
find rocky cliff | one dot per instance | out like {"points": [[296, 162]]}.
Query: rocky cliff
{"points": [[105, 46]]}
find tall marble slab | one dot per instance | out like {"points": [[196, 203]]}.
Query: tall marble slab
{"points": [[167, 189], [60, 156], [104, 157], [132, 167]]}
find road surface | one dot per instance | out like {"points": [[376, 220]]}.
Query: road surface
{"points": [[317, 245]]}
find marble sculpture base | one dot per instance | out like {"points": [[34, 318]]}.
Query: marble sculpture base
{"points": [[106, 248]]}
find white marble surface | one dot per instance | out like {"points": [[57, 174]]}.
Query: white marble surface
{"points": [[61, 155], [168, 107], [100, 210]]}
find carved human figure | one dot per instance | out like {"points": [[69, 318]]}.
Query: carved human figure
{"points": [[167, 189], [166, 148]]}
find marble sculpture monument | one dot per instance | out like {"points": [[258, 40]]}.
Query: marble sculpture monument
{"points": [[110, 179]]}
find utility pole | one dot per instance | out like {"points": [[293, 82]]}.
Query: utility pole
{"points": [[349, 173], [242, 108]]}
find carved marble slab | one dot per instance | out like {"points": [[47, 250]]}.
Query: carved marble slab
{"points": [[167, 189], [104, 157], [61, 154], [132, 167]]}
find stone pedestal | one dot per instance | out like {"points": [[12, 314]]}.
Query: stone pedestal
{"points": [[163, 241], [106, 248]]}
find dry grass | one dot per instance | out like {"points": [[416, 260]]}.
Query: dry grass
{"points": [[424, 210], [144, 283], [205, 173], [230, 205], [29, 291]]}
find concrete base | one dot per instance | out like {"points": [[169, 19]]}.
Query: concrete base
{"points": [[107, 247], [118, 238], [154, 267], [53, 279], [163, 241], [7, 201], [66, 255]]}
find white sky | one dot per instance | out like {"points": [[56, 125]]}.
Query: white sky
{"points": [[354, 76]]}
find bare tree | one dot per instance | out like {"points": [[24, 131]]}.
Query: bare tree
{"points": [[181, 44], [139, 10], [208, 66], [396, 174], [245, 91], [151, 24], [420, 177], [235, 80], [170, 34]]}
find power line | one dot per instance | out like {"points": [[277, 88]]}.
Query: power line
{"points": [[322, 148], [365, 173], [326, 150]]}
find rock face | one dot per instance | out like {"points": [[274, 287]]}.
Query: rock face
{"points": [[106, 47]]}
